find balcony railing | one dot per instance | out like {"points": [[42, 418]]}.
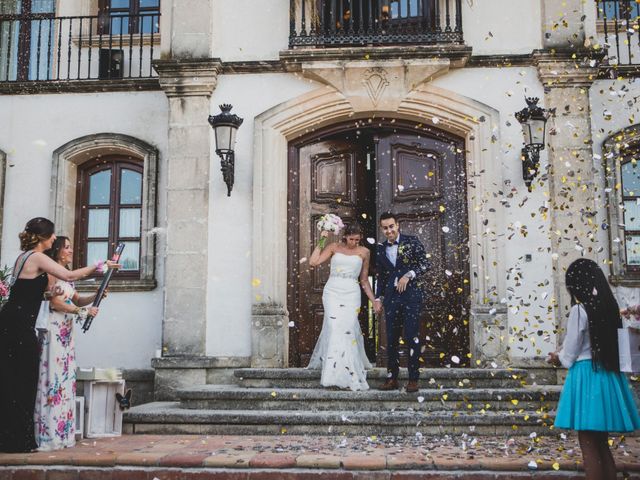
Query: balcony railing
{"points": [[337, 23], [618, 27], [40, 47]]}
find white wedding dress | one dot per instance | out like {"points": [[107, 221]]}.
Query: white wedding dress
{"points": [[340, 348]]}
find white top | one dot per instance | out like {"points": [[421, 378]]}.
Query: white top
{"points": [[577, 344]]}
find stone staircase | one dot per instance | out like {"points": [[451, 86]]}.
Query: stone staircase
{"points": [[276, 401]]}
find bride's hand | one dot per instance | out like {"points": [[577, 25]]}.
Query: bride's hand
{"points": [[324, 234]]}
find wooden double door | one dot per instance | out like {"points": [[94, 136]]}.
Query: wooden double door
{"points": [[358, 174]]}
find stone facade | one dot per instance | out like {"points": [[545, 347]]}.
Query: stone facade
{"points": [[214, 293]]}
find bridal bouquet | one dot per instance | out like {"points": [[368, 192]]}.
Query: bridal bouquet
{"points": [[5, 276], [330, 223]]}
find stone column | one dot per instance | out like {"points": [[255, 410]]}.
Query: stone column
{"points": [[188, 75], [188, 86], [567, 76]]}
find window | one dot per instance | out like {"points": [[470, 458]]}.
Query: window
{"points": [[130, 16], [26, 39], [404, 8], [630, 174], [620, 9], [109, 206]]}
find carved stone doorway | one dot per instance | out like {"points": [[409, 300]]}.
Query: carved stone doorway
{"points": [[359, 172]]}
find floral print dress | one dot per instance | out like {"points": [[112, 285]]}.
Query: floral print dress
{"points": [[56, 397]]}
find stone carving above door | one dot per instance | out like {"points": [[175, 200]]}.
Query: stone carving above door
{"points": [[375, 81], [376, 84]]}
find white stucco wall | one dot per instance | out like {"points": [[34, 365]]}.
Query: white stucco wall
{"points": [[259, 30], [502, 26], [250, 29], [230, 226], [504, 89], [128, 329]]}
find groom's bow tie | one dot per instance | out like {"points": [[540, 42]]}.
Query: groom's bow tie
{"points": [[390, 244]]}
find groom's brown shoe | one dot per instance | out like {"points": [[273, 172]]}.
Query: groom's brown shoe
{"points": [[412, 386], [390, 384]]}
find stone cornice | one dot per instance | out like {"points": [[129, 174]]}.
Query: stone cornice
{"points": [[567, 68], [187, 78], [293, 59]]}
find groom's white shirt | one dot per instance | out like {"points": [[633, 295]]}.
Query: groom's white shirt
{"points": [[392, 254], [392, 251]]}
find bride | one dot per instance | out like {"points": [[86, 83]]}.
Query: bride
{"points": [[340, 348]]}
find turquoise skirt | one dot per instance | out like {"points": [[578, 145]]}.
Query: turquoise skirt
{"points": [[596, 400]]}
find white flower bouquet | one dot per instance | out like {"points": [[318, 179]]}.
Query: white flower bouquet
{"points": [[330, 223]]}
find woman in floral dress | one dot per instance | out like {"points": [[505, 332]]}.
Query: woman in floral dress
{"points": [[56, 397]]}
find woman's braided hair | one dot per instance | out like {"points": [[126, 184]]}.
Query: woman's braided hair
{"points": [[36, 230]]}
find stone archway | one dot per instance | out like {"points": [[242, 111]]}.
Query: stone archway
{"points": [[348, 93]]}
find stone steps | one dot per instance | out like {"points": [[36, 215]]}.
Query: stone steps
{"points": [[430, 378], [170, 418], [275, 401], [218, 397]]}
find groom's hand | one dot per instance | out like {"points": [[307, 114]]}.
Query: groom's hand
{"points": [[402, 284]]}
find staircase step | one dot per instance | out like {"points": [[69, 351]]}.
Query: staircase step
{"points": [[169, 418], [220, 397], [431, 377]]}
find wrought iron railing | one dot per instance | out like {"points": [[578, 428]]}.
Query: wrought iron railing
{"points": [[41, 47], [618, 26], [335, 23]]}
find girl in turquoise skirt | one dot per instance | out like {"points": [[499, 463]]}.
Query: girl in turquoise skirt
{"points": [[596, 398]]}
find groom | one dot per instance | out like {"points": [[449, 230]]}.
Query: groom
{"points": [[401, 262]]}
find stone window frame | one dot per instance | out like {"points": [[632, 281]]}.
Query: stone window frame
{"points": [[616, 149], [3, 176], [64, 180]]}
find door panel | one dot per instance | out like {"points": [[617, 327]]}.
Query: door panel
{"points": [[327, 185], [422, 180]]}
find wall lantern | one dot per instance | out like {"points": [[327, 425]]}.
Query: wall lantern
{"points": [[225, 126], [533, 119]]}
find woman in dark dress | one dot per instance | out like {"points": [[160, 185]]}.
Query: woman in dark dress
{"points": [[18, 341]]}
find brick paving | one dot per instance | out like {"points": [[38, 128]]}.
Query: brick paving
{"points": [[187, 457]]}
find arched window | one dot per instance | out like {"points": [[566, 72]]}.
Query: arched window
{"points": [[109, 211], [103, 191]]}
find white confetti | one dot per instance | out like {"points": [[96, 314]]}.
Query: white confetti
{"points": [[371, 241], [532, 465], [445, 229], [455, 359]]}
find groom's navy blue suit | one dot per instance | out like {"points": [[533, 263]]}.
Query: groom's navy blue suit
{"points": [[402, 309]]}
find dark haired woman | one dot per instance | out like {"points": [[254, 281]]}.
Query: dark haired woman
{"points": [[18, 342], [596, 398], [340, 348], [56, 397]]}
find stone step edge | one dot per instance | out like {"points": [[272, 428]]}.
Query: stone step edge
{"points": [[381, 373], [259, 469], [174, 414], [260, 393]]}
